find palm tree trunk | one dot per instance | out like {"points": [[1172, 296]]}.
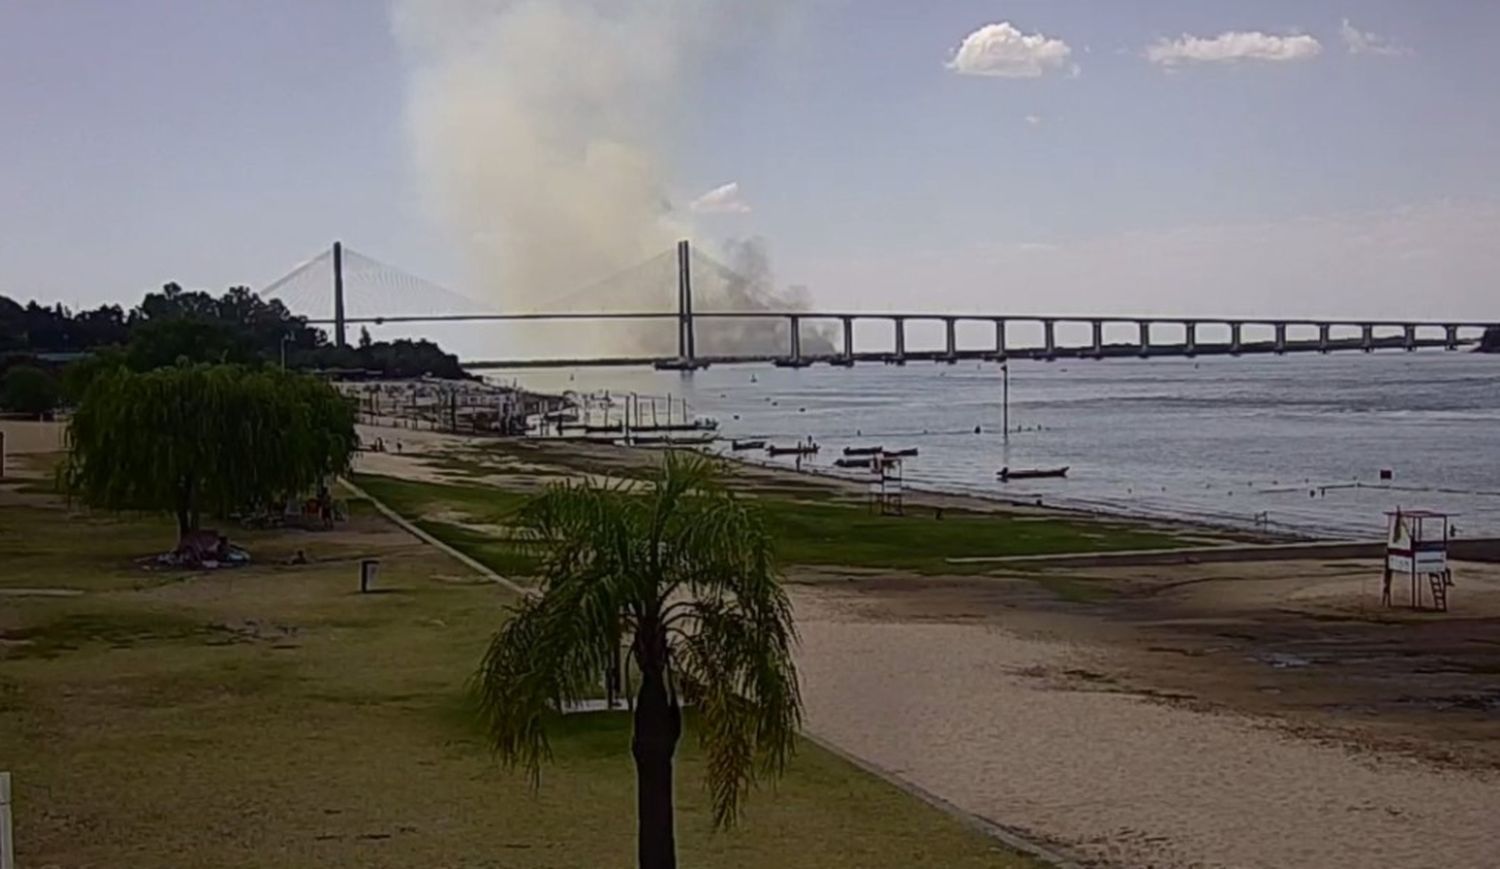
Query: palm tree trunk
{"points": [[658, 724]]}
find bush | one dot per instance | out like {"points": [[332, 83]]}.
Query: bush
{"points": [[29, 389]]}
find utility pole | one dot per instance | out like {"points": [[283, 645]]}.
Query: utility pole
{"points": [[1005, 399], [338, 295]]}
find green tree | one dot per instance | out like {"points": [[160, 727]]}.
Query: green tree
{"points": [[28, 389], [165, 342], [78, 376], [683, 576], [208, 437]]}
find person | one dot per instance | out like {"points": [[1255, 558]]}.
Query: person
{"points": [[325, 506]]}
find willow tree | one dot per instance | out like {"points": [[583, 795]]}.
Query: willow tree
{"points": [[682, 576], [217, 438]]}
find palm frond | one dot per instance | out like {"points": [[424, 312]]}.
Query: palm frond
{"points": [[691, 566]]}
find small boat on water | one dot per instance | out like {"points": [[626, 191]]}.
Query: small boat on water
{"points": [[862, 451], [747, 445], [667, 439], [907, 453], [795, 450], [854, 463], [1006, 474]]}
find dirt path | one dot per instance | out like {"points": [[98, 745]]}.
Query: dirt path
{"points": [[970, 711]]}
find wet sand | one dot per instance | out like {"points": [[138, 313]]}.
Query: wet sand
{"points": [[994, 721]]}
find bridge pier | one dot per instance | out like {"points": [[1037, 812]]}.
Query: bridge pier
{"points": [[1190, 337], [794, 327], [1410, 333], [1098, 326], [1235, 342], [1144, 348], [900, 323], [1450, 337], [1280, 337], [848, 339], [1367, 337], [1000, 338], [1049, 339], [952, 327], [1323, 330]]}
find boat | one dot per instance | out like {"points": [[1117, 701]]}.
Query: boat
{"points": [[907, 453], [861, 451], [1030, 473], [796, 450], [854, 463], [747, 445]]}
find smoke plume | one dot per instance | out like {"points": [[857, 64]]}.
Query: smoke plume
{"points": [[748, 284], [541, 133]]}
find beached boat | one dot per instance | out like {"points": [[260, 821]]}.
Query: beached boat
{"points": [[747, 445], [1030, 473], [796, 450], [861, 451], [855, 462]]}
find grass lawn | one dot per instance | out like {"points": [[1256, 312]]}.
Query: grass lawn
{"points": [[274, 716], [807, 531]]}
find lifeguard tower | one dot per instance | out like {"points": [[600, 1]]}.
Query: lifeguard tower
{"points": [[1416, 546], [886, 485]]}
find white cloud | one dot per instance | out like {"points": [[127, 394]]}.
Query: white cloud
{"points": [[1002, 50], [1365, 42], [724, 199], [1233, 45], [1034, 120]]}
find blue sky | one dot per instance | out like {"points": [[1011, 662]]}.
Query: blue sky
{"points": [[222, 142]]}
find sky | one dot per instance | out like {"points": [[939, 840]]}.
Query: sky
{"points": [[1191, 157]]}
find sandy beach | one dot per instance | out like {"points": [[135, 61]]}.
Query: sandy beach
{"points": [[1000, 724]]}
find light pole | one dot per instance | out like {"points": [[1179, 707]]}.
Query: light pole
{"points": [[1005, 400]]}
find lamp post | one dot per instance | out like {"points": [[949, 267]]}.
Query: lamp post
{"points": [[1005, 400]]}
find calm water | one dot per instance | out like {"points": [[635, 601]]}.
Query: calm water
{"points": [[1223, 439]]}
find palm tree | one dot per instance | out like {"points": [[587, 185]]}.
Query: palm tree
{"points": [[682, 575]]}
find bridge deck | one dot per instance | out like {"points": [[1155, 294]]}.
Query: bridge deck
{"points": [[1112, 351]]}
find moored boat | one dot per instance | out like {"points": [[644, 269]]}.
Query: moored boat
{"points": [[861, 451], [796, 450], [1030, 473], [747, 445]]}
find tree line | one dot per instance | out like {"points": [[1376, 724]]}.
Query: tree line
{"points": [[40, 344]]}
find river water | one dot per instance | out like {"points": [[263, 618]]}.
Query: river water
{"points": [[1293, 443]]}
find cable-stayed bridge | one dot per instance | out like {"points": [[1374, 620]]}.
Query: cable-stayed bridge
{"points": [[341, 287]]}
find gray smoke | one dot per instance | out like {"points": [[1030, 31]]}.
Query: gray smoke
{"points": [[539, 130], [748, 284]]}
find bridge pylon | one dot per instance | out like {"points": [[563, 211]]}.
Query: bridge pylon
{"points": [[339, 338]]}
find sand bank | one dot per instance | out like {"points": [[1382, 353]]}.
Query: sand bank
{"points": [[968, 710]]}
